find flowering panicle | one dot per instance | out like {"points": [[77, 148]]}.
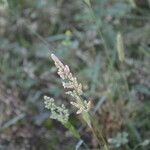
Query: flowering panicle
{"points": [[59, 113], [71, 83]]}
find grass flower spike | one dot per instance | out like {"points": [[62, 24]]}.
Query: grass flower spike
{"points": [[59, 113], [71, 83]]}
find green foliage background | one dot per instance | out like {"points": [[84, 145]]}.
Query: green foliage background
{"points": [[84, 35]]}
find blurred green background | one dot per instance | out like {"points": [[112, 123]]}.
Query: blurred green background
{"points": [[83, 34]]}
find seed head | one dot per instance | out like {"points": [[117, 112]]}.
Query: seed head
{"points": [[59, 113]]}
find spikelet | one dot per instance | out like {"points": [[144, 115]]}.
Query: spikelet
{"points": [[82, 107], [120, 48]]}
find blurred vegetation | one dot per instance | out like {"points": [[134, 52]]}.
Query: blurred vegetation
{"points": [[84, 35]]}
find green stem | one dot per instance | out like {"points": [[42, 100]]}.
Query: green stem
{"points": [[72, 129]]}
